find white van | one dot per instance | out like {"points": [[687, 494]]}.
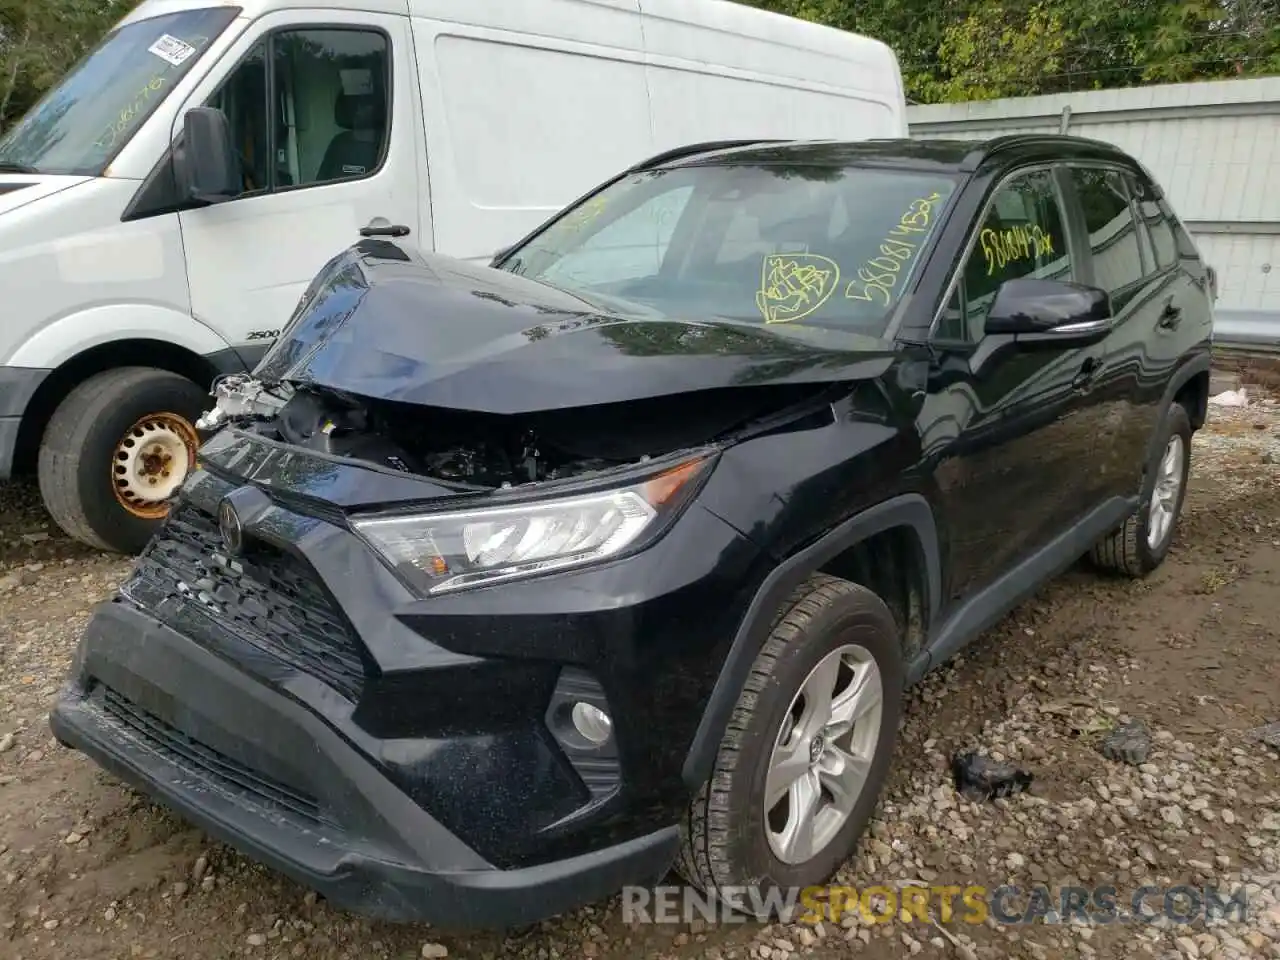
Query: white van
{"points": [[460, 124]]}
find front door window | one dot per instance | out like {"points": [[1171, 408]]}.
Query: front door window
{"points": [[1022, 235], [308, 107]]}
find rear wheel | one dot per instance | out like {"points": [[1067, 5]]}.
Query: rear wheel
{"points": [[114, 453], [1142, 542], [806, 752]]}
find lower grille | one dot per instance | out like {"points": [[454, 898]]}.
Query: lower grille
{"points": [[267, 598], [215, 768]]}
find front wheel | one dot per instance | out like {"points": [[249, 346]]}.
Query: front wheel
{"points": [[806, 752], [115, 451], [1143, 540]]}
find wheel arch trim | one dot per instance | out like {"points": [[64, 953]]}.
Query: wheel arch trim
{"points": [[69, 336], [907, 510], [1196, 365]]}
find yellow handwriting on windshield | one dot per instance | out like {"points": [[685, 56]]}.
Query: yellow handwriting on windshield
{"points": [[110, 136], [586, 213], [879, 275], [141, 100], [794, 285], [1022, 242]]}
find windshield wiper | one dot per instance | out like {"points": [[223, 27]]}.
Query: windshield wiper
{"points": [[8, 167]]}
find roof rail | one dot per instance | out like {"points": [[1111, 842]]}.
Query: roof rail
{"points": [[692, 150], [1008, 141]]}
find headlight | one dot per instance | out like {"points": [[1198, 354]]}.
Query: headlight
{"points": [[441, 552]]}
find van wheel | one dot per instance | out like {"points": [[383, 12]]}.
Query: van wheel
{"points": [[806, 752], [1142, 542], [114, 452]]}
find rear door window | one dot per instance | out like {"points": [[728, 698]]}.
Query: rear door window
{"points": [[1109, 222]]}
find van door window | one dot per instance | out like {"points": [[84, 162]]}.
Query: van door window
{"points": [[322, 117], [243, 98]]}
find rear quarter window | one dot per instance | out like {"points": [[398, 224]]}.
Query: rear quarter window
{"points": [[1158, 225], [1183, 243]]}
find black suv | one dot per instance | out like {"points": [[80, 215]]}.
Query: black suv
{"points": [[501, 587]]}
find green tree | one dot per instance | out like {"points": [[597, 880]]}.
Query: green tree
{"points": [[41, 39], [993, 53], [980, 49]]}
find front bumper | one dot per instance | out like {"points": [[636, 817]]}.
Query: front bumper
{"points": [[328, 819], [298, 700]]}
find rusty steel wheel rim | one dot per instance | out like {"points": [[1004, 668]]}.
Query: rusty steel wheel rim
{"points": [[151, 461]]}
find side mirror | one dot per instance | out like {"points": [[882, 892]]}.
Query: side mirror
{"points": [[1050, 312], [210, 168]]}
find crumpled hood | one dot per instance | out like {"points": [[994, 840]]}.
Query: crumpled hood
{"points": [[379, 321], [18, 189]]}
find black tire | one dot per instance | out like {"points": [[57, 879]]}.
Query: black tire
{"points": [[1126, 550], [79, 444], [724, 836]]}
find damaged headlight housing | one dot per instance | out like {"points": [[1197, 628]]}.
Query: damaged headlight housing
{"points": [[443, 552]]}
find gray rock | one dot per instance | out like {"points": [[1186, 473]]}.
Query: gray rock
{"points": [[1268, 734], [1128, 743]]}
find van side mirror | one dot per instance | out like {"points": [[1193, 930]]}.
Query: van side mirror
{"points": [[210, 169], [1050, 312]]}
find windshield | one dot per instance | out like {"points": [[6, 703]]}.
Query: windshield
{"points": [[80, 125], [766, 243]]}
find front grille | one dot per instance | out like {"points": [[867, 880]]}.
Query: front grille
{"points": [[217, 769], [266, 597]]}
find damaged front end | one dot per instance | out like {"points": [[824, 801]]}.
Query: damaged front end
{"points": [[486, 451], [512, 429], [468, 375]]}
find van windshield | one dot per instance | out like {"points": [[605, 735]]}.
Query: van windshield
{"points": [[830, 246], [80, 125]]}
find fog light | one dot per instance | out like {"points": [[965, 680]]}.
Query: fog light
{"points": [[592, 722]]}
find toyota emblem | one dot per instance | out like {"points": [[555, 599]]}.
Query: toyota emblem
{"points": [[229, 526]]}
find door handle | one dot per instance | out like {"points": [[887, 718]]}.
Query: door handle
{"points": [[1088, 370], [1170, 317], [380, 228]]}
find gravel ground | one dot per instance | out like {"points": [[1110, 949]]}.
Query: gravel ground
{"points": [[89, 869]]}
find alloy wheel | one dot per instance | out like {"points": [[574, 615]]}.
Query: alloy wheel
{"points": [[823, 753], [1164, 495]]}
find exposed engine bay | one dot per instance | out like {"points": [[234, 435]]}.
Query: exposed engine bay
{"points": [[484, 449]]}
